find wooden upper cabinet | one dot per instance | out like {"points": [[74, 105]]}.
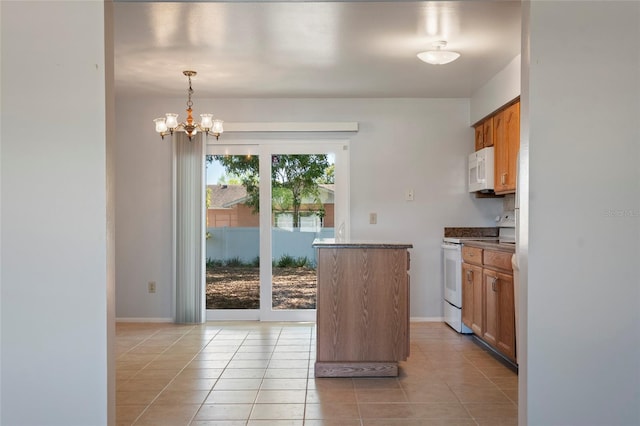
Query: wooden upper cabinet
{"points": [[479, 136], [484, 133], [487, 132], [506, 132]]}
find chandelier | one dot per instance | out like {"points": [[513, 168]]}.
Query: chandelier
{"points": [[169, 124]]}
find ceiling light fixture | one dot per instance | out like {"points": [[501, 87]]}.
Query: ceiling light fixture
{"points": [[169, 124], [438, 56]]}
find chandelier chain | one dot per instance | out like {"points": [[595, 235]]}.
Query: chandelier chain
{"points": [[190, 92]]}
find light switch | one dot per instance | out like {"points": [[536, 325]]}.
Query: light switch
{"points": [[373, 218]]}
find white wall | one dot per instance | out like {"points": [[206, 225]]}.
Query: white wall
{"points": [[54, 306], [502, 88], [584, 240], [110, 116], [402, 143], [521, 275], [0, 220]]}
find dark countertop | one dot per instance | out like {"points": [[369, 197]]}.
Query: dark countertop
{"points": [[332, 243], [491, 245]]}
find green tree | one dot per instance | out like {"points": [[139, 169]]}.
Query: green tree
{"points": [[292, 178], [329, 175], [229, 180]]}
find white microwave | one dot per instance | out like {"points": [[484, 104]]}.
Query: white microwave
{"points": [[481, 170]]}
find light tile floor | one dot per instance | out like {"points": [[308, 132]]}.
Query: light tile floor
{"points": [[252, 373]]}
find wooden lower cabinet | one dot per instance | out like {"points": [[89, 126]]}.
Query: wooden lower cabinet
{"points": [[362, 309], [505, 316], [500, 318], [488, 302], [472, 297]]}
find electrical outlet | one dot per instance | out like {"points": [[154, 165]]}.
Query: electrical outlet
{"points": [[151, 286], [373, 218]]}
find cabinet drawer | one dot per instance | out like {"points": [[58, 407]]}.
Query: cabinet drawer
{"points": [[472, 255], [497, 259]]}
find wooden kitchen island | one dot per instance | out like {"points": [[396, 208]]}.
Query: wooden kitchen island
{"points": [[362, 308]]}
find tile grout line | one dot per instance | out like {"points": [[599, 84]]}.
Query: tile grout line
{"points": [[223, 370], [255, 400], [163, 389], [216, 380], [177, 374], [497, 387], [306, 388]]}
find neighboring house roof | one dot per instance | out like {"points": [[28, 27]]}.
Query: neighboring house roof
{"points": [[330, 187], [227, 196], [326, 192]]}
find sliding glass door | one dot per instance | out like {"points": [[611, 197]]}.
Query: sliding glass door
{"points": [[233, 232], [267, 202]]}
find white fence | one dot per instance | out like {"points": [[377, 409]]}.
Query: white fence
{"points": [[244, 243]]}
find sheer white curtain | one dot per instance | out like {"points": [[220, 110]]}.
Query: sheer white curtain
{"points": [[189, 227]]}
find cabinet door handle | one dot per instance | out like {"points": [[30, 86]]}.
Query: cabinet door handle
{"points": [[470, 276], [493, 283], [503, 179]]}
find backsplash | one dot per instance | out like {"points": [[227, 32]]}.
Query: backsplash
{"points": [[509, 202], [467, 232], [508, 205]]}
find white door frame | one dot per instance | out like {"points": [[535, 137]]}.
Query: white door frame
{"points": [[264, 149]]}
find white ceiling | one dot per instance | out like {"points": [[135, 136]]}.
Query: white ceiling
{"points": [[311, 49]]}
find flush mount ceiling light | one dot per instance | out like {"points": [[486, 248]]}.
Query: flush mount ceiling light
{"points": [[438, 56], [169, 124]]}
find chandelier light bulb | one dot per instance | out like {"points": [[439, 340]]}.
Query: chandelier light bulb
{"points": [[161, 125], [172, 120], [206, 121], [216, 129]]}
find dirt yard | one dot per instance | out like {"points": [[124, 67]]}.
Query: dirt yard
{"points": [[238, 288]]}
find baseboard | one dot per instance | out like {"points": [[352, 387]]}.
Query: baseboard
{"points": [[497, 355], [144, 319], [426, 319]]}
